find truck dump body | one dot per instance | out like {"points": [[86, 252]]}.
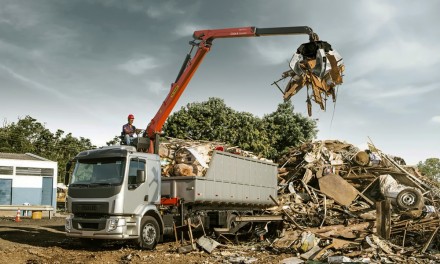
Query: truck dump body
{"points": [[230, 179]]}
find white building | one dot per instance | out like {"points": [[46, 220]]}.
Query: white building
{"points": [[27, 179]]}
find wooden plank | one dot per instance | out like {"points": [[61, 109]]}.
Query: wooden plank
{"points": [[383, 220]]}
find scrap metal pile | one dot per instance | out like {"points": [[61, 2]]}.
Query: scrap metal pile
{"points": [[337, 200], [359, 204]]}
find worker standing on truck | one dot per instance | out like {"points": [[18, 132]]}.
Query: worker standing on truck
{"points": [[128, 130]]}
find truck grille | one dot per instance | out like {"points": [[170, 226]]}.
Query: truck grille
{"points": [[89, 224], [96, 208]]}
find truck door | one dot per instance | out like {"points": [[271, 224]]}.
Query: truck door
{"points": [[136, 194]]}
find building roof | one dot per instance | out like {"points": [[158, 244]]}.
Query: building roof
{"points": [[19, 156]]}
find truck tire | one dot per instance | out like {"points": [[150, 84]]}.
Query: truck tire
{"points": [[409, 198], [150, 233]]}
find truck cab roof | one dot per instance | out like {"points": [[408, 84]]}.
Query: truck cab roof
{"points": [[111, 151]]}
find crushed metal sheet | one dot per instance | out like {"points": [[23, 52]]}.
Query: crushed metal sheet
{"points": [[337, 188], [207, 243]]}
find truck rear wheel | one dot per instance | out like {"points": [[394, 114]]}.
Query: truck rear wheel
{"points": [[150, 233]]}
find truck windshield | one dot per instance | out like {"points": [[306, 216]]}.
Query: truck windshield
{"points": [[108, 171]]}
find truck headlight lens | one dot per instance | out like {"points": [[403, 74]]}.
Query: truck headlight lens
{"points": [[114, 223]]}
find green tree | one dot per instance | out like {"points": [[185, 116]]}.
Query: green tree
{"points": [[114, 141], [30, 136], [287, 129], [208, 120], [214, 121], [430, 168], [21, 137]]}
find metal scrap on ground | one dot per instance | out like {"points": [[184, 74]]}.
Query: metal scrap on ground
{"points": [[339, 201], [375, 204]]}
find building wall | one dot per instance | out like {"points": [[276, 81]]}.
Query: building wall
{"points": [[28, 188]]}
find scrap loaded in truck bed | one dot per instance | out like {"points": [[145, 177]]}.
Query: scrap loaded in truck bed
{"points": [[230, 179]]}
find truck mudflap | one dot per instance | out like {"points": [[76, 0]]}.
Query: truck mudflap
{"points": [[113, 227]]}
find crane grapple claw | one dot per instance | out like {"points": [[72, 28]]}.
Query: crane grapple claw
{"points": [[317, 66]]}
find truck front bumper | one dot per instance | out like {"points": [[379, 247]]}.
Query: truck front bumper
{"points": [[113, 227]]}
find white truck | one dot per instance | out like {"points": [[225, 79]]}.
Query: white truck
{"points": [[118, 193]]}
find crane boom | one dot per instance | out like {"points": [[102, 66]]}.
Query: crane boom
{"points": [[203, 41]]}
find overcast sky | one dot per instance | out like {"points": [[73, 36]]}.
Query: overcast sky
{"points": [[83, 66]]}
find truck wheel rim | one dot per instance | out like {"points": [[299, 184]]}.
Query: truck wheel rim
{"points": [[408, 199], [149, 234]]}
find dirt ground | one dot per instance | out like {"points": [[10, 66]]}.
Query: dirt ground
{"points": [[35, 241]]}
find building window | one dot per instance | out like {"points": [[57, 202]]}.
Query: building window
{"points": [[29, 171], [6, 170]]}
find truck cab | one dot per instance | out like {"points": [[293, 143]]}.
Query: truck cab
{"points": [[113, 191]]}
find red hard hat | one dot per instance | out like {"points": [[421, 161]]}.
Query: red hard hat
{"points": [[130, 116]]}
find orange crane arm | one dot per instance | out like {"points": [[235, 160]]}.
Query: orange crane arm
{"points": [[190, 66]]}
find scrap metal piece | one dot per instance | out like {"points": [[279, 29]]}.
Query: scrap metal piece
{"points": [[339, 259], [425, 247], [186, 249], [382, 244], [292, 260], [208, 244], [311, 253], [338, 189]]}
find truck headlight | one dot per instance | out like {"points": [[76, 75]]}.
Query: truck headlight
{"points": [[114, 223], [68, 223]]}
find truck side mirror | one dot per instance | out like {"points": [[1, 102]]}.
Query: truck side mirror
{"points": [[140, 176], [67, 175]]}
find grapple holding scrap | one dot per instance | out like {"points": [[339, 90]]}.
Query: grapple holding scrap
{"points": [[319, 67]]}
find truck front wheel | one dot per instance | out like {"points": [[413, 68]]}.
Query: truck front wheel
{"points": [[150, 233]]}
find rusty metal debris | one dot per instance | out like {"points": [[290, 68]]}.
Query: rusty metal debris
{"points": [[379, 207], [337, 202]]}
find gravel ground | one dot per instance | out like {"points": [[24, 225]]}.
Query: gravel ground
{"points": [[44, 241]]}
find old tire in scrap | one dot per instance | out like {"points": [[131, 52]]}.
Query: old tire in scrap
{"points": [[409, 199], [150, 233]]}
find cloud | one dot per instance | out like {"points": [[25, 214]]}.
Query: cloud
{"points": [[395, 54], [30, 82], [408, 91], [395, 98], [375, 14], [164, 10], [139, 66], [274, 52], [5, 20], [156, 87], [19, 15], [187, 29], [159, 10], [435, 119], [370, 91]]}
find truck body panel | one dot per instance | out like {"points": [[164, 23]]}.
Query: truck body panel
{"points": [[230, 179]]}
